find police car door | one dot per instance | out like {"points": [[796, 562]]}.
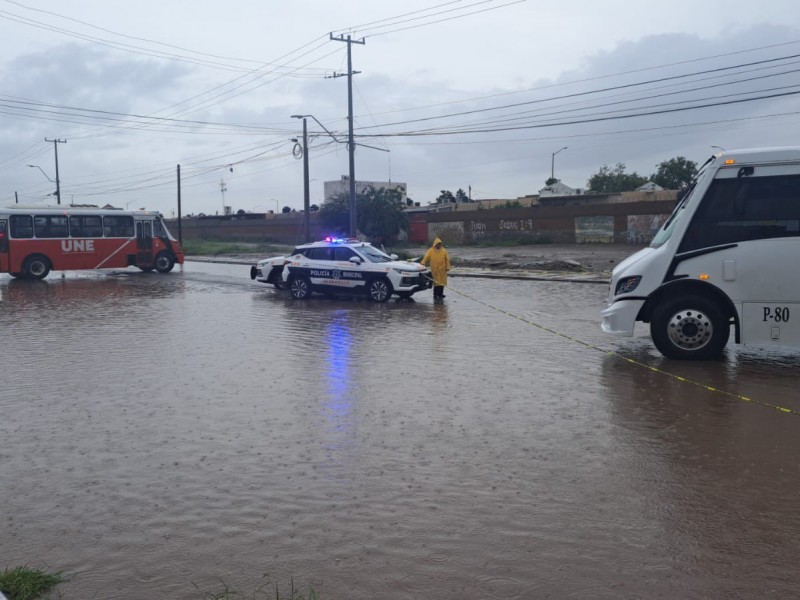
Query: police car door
{"points": [[349, 273]]}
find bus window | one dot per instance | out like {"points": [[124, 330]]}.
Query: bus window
{"points": [[745, 208], [21, 226], [86, 226], [50, 226], [159, 229], [114, 226]]}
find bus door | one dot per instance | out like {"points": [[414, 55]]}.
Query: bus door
{"points": [[144, 243], [3, 246]]}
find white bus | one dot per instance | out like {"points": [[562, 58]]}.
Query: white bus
{"points": [[728, 256]]}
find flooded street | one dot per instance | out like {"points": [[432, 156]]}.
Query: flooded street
{"points": [[161, 433]]}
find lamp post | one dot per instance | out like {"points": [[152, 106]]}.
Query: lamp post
{"points": [[58, 191], [306, 193], [553, 162]]}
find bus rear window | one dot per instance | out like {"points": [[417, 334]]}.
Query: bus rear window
{"points": [[118, 226], [50, 226], [86, 226]]}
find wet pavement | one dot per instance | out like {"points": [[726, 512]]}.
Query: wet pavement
{"points": [[163, 433]]}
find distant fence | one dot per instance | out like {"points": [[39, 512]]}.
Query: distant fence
{"points": [[622, 222]]}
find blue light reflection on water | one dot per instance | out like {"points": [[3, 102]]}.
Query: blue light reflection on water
{"points": [[338, 355]]}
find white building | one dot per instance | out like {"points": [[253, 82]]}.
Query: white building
{"points": [[650, 186], [342, 186], [558, 189]]}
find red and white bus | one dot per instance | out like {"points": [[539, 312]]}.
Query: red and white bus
{"points": [[34, 241]]}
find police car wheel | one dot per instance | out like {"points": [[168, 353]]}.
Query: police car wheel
{"points": [[300, 288], [380, 290]]}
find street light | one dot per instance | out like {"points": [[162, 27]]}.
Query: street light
{"points": [[720, 147], [351, 149], [57, 194], [553, 162]]}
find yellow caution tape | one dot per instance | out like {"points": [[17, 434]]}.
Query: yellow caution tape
{"points": [[631, 360]]}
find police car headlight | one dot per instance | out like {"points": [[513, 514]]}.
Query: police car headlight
{"points": [[627, 284], [405, 271]]}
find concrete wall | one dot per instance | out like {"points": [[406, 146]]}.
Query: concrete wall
{"points": [[556, 224], [620, 222]]}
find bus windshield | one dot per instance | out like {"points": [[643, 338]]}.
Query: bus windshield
{"points": [[678, 213]]}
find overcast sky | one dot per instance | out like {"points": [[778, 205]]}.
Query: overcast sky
{"points": [[471, 94]]}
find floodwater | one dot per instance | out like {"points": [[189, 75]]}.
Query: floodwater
{"points": [[163, 436]]}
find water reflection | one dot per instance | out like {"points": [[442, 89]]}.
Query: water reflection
{"points": [[339, 402], [711, 470]]}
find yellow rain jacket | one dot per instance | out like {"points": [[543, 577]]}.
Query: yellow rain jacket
{"points": [[439, 262]]}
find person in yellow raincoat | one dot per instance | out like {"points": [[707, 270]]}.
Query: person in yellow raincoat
{"points": [[439, 262]]}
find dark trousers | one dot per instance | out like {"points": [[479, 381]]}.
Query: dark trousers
{"points": [[438, 291]]}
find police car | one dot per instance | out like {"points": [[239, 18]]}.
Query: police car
{"points": [[342, 266]]}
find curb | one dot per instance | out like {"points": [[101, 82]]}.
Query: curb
{"points": [[532, 277], [520, 276]]}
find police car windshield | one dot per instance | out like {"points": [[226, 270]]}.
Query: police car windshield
{"points": [[373, 254]]}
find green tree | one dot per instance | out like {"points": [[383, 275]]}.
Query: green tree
{"points": [[379, 213], [445, 197], [461, 196], [551, 181], [675, 173], [611, 181]]}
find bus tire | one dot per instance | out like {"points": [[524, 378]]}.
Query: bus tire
{"points": [[164, 262], [690, 327], [146, 269], [36, 266], [17, 275]]}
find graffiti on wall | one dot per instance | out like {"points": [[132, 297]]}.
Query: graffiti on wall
{"points": [[642, 228], [477, 230], [451, 232], [593, 230], [516, 225]]}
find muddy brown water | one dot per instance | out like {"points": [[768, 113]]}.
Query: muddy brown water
{"points": [[161, 434]]}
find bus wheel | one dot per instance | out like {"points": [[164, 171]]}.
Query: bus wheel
{"points": [[690, 327], [36, 267], [164, 262]]}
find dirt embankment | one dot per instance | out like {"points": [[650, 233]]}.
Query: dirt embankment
{"points": [[576, 258]]}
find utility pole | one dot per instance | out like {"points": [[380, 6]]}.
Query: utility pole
{"points": [[306, 191], [56, 142], [180, 231], [351, 147]]}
